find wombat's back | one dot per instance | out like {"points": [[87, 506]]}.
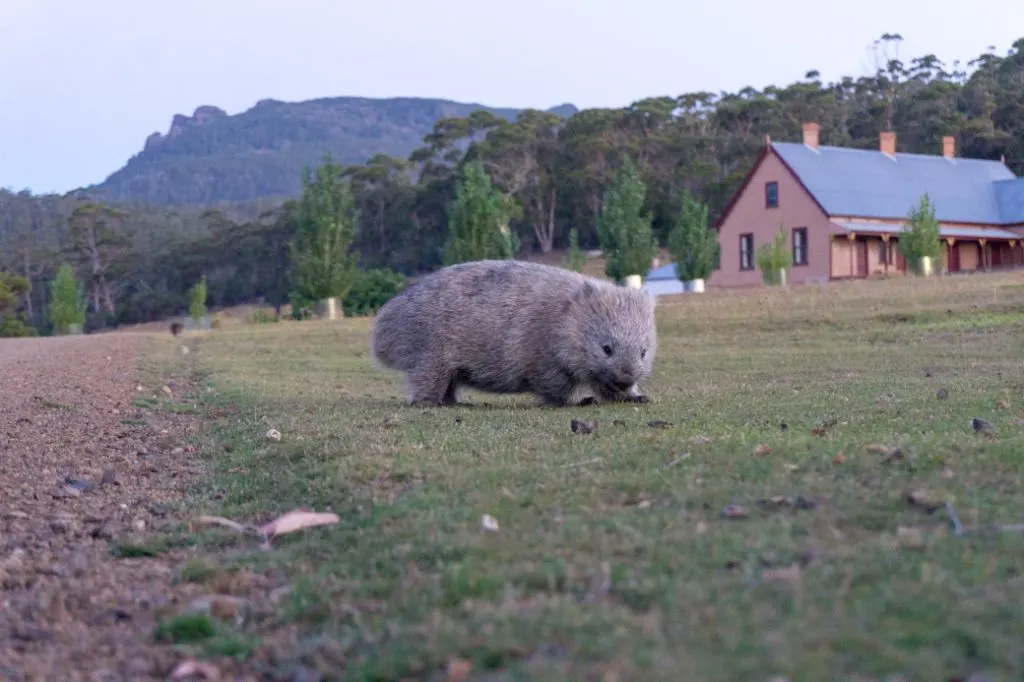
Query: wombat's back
{"points": [[479, 308]]}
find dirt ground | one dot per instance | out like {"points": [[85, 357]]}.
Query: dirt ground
{"points": [[82, 469]]}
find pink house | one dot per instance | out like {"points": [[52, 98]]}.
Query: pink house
{"points": [[842, 210]]}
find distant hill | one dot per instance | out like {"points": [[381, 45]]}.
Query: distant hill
{"points": [[212, 157]]}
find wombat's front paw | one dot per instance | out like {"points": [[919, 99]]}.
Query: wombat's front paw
{"points": [[638, 398], [588, 401]]}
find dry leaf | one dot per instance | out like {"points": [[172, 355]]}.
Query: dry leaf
{"points": [[889, 453], [458, 670], [910, 537], [818, 431], [839, 459], [923, 499], [190, 667], [659, 424], [762, 450], [273, 434], [488, 522], [220, 521], [297, 520]]}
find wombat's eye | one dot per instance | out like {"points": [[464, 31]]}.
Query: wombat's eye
{"points": [[607, 350]]}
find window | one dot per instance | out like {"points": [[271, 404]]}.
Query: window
{"points": [[747, 251], [799, 246], [771, 195]]}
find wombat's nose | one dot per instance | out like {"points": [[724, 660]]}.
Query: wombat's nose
{"points": [[622, 383]]}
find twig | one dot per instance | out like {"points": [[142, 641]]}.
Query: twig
{"points": [[958, 527], [581, 463], [677, 460]]}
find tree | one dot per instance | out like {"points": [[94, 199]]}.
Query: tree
{"points": [[326, 228], [922, 237], [523, 156], [624, 229], [67, 301], [99, 239], [576, 257], [478, 222], [197, 301], [775, 259], [692, 244], [12, 289]]}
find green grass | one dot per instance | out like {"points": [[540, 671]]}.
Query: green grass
{"points": [[614, 555]]}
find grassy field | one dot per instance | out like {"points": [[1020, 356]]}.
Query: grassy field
{"points": [[786, 518]]}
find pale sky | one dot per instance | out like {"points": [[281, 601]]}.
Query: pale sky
{"points": [[84, 82]]}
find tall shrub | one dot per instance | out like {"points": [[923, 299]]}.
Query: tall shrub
{"points": [[921, 237], [67, 301], [197, 301], [327, 224], [577, 259], [774, 259], [624, 229], [691, 243], [478, 219]]}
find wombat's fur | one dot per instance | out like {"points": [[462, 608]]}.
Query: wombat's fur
{"points": [[507, 326]]}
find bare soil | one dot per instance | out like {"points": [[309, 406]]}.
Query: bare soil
{"points": [[83, 472]]}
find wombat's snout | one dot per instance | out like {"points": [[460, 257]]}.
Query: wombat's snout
{"points": [[623, 381]]}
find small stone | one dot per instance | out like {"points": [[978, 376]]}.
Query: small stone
{"points": [[65, 523], [167, 390], [67, 491], [109, 477], [139, 525], [138, 667], [980, 425], [273, 435]]}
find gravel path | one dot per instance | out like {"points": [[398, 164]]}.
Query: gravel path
{"points": [[82, 469]]}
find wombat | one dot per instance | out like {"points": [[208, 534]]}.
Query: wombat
{"points": [[506, 326]]}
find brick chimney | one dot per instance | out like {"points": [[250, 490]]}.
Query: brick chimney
{"points": [[887, 142], [949, 146], [811, 131]]}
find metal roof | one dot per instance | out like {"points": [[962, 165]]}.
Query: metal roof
{"points": [[1010, 197], [954, 232], [860, 182]]}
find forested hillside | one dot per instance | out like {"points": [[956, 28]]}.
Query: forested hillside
{"points": [[213, 157], [556, 170]]}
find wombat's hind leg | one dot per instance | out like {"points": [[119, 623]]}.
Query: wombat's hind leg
{"points": [[431, 386], [451, 394]]}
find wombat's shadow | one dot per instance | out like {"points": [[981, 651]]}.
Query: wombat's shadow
{"points": [[394, 402]]}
